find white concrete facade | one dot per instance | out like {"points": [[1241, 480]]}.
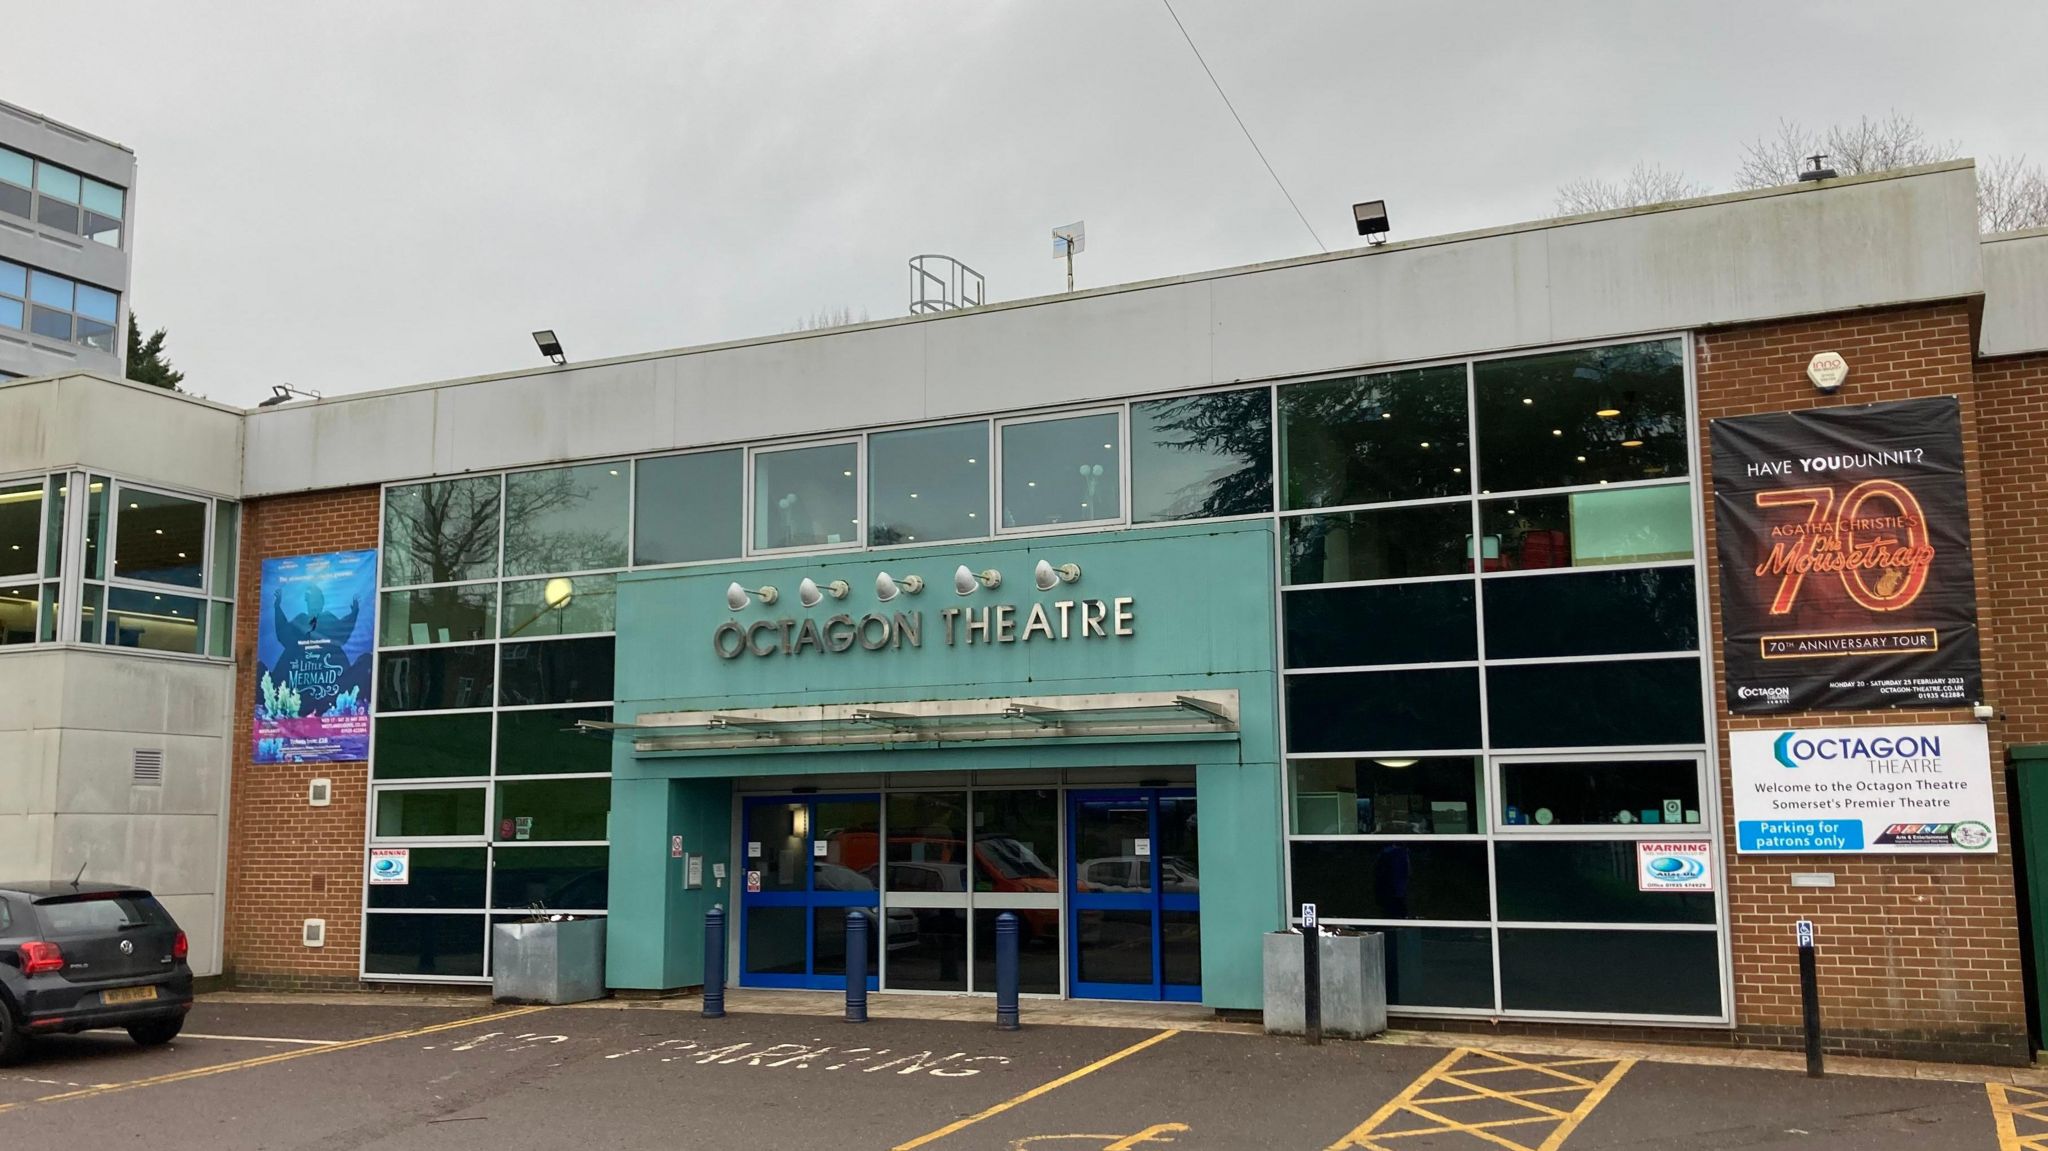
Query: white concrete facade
{"points": [[2015, 293]]}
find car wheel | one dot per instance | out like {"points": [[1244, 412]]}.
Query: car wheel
{"points": [[13, 1041], [156, 1032]]}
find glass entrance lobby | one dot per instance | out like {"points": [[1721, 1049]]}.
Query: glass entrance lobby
{"points": [[1103, 881]]}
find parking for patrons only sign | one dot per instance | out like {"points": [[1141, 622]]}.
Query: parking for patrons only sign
{"points": [[1882, 790]]}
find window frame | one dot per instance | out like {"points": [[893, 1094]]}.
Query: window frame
{"points": [[1122, 412], [988, 487], [1496, 798], [480, 838], [745, 511]]}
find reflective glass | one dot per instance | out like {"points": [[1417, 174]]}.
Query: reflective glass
{"points": [[89, 614], [1386, 623], [54, 213], [1546, 970], [424, 944], [431, 746], [1389, 796], [1180, 948], [439, 811], [13, 279], [102, 198], [828, 938], [98, 490], [16, 201], [48, 629], [1393, 710], [1581, 417], [566, 519], [1061, 471], [154, 622], [1585, 881], [442, 532], [1592, 613], [94, 334], [1397, 543], [927, 948], [928, 841], [777, 941], [50, 323], [19, 610], [549, 743], [774, 851], [1439, 966], [54, 291], [557, 671], [1369, 439], [436, 678], [1589, 704], [1180, 846], [1113, 946], [554, 809], [1604, 791], [21, 527], [1194, 457], [97, 303], [441, 877], [56, 182], [688, 508], [807, 497], [1399, 879], [462, 613], [557, 878], [562, 605], [1586, 529], [10, 313], [928, 484], [16, 168], [220, 629], [1017, 841], [1038, 950], [103, 229], [227, 518]]}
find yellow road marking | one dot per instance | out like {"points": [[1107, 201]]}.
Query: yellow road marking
{"points": [[267, 1060], [1415, 1101], [1035, 1092], [1152, 1134], [2021, 1116]]}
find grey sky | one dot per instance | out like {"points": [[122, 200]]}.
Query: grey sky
{"points": [[363, 195]]}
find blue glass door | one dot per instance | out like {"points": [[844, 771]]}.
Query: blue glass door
{"points": [[805, 861], [1135, 895]]}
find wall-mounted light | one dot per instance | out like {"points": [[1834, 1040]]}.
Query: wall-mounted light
{"points": [[888, 587], [800, 823], [736, 597], [964, 581], [809, 594], [557, 592], [1048, 577]]}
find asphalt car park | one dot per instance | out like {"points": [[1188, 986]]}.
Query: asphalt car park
{"points": [[400, 1074]]}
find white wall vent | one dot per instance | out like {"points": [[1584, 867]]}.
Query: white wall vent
{"points": [[319, 793], [315, 933], [148, 767]]}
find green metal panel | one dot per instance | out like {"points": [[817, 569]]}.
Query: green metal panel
{"points": [[1202, 611], [2030, 804]]}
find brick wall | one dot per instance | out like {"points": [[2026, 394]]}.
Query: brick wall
{"points": [[2013, 398], [1919, 955], [288, 861]]}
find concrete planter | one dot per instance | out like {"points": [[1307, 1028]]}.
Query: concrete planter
{"points": [[1354, 980], [548, 962]]}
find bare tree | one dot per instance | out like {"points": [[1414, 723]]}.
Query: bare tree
{"points": [[1645, 183], [2011, 194], [829, 318], [1896, 141]]}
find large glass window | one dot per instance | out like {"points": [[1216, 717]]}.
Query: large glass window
{"points": [[1584, 529], [928, 484], [13, 293], [160, 539], [566, 519], [1370, 439], [1592, 613], [104, 206], [17, 183], [1381, 624], [56, 307], [1394, 543], [155, 621], [438, 812], [448, 614], [807, 497], [1611, 702], [1594, 415], [444, 532], [1394, 710], [1430, 795], [556, 671], [1061, 471], [1650, 794], [21, 528], [431, 746], [561, 605], [1392, 879], [688, 508], [1198, 457]]}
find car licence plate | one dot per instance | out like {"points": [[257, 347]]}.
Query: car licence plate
{"points": [[128, 995]]}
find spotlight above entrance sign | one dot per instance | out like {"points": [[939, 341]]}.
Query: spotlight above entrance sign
{"points": [[809, 594], [964, 580], [888, 587], [1048, 577], [737, 598]]}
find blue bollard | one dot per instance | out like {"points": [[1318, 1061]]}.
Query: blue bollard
{"points": [[714, 963], [856, 966], [1007, 977]]}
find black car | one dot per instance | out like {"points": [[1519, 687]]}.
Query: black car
{"points": [[75, 957]]}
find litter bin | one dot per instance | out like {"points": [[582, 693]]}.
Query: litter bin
{"points": [[1354, 979], [548, 962]]}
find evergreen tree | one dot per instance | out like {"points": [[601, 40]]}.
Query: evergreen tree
{"points": [[147, 363]]}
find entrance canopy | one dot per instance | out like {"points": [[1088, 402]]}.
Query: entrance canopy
{"points": [[1086, 717]]}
